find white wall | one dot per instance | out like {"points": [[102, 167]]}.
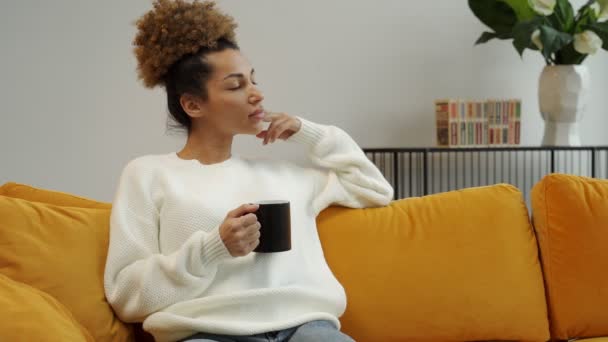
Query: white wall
{"points": [[73, 112]]}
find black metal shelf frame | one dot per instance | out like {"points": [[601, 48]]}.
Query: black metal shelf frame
{"points": [[422, 171]]}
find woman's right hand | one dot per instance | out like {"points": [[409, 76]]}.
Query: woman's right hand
{"points": [[240, 230]]}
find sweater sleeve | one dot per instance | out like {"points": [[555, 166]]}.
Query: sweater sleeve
{"points": [[343, 174], [139, 280]]}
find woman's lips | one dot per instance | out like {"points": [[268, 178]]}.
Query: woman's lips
{"points": [[257, 115]]}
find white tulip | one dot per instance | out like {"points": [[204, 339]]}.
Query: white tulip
{"points": [[542, 7], [603, 13], [536, 39], [587, 42]]}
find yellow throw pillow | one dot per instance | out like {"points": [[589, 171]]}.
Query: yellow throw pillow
{"points": [[61, 251], [31, 193], [28, 314], [456, 266], [571, 220]]}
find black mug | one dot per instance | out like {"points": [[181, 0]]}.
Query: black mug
{"points": [[275, 230]]}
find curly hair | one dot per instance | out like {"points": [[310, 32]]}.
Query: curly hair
{"points": [[171, 44], [174, 29]]}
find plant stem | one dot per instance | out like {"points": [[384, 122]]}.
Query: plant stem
{"points": [[560, 23]]}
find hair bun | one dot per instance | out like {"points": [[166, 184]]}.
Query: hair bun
{"points": [[175, 28]]}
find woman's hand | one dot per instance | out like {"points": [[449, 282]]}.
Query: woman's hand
{"points": [[240, 230], [282, 126]]}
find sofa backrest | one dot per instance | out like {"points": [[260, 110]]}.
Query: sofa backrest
{"points": [[461, 265], [571, 220]]}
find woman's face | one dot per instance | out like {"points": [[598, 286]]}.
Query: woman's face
{"points": [[233, 96]]}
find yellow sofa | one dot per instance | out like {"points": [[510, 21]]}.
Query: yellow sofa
{"points": [[465, 265]]}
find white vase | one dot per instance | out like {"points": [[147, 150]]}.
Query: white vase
{"points": [[563, 92]]}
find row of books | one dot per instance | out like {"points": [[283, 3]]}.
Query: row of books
{"points": [[463, 123]]}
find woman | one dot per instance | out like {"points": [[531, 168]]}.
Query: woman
{"points": [[182, 229]]}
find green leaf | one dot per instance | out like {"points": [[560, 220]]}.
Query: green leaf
{"points": [[522, 35], [495, 14], [522, 10], [568, 55], [601, 29], [564, 16], [553, 40], [584, 8], [485, 37], [586, 16]]}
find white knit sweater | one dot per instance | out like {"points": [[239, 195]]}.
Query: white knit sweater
{"points": [[168, 267]]}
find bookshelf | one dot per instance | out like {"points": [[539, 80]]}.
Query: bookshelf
{"points": [[423, 171]]}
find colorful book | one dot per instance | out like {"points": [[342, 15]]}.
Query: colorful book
{"points": [[469, 123]]}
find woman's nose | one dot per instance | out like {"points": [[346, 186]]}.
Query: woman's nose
{"points": [[256, 95]]}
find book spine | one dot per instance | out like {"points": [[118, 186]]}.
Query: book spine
{"points": [[491, 120], [505, 123], [485, 124], [511, 123], [479, 123], [463, 123], [442, 122], [517, 122], [454, 123]]}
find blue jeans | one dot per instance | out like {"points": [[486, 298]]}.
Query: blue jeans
{"points": [[314, 331]]}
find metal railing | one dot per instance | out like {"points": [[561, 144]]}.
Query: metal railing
{"points": [[423, 171]]}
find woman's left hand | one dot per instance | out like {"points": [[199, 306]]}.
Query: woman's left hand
{"points": [[282, 126]]}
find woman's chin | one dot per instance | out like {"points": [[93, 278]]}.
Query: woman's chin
{"points": [[253, 129], [258, 127]]}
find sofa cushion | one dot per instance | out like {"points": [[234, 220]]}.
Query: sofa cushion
{"points": [[456, 266], [30, 193], [571, 220], [28, 314], [61, 251]]}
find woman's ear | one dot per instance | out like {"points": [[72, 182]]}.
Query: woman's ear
{"points": [[192, 105]]}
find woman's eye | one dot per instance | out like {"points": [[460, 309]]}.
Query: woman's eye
{"points": [[238, 86]]}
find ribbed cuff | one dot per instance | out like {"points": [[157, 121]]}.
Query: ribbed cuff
{"points": [[213, 249], [309, 134]]}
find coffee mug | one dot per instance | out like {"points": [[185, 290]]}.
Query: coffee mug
{"points": [[275, 230]]}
